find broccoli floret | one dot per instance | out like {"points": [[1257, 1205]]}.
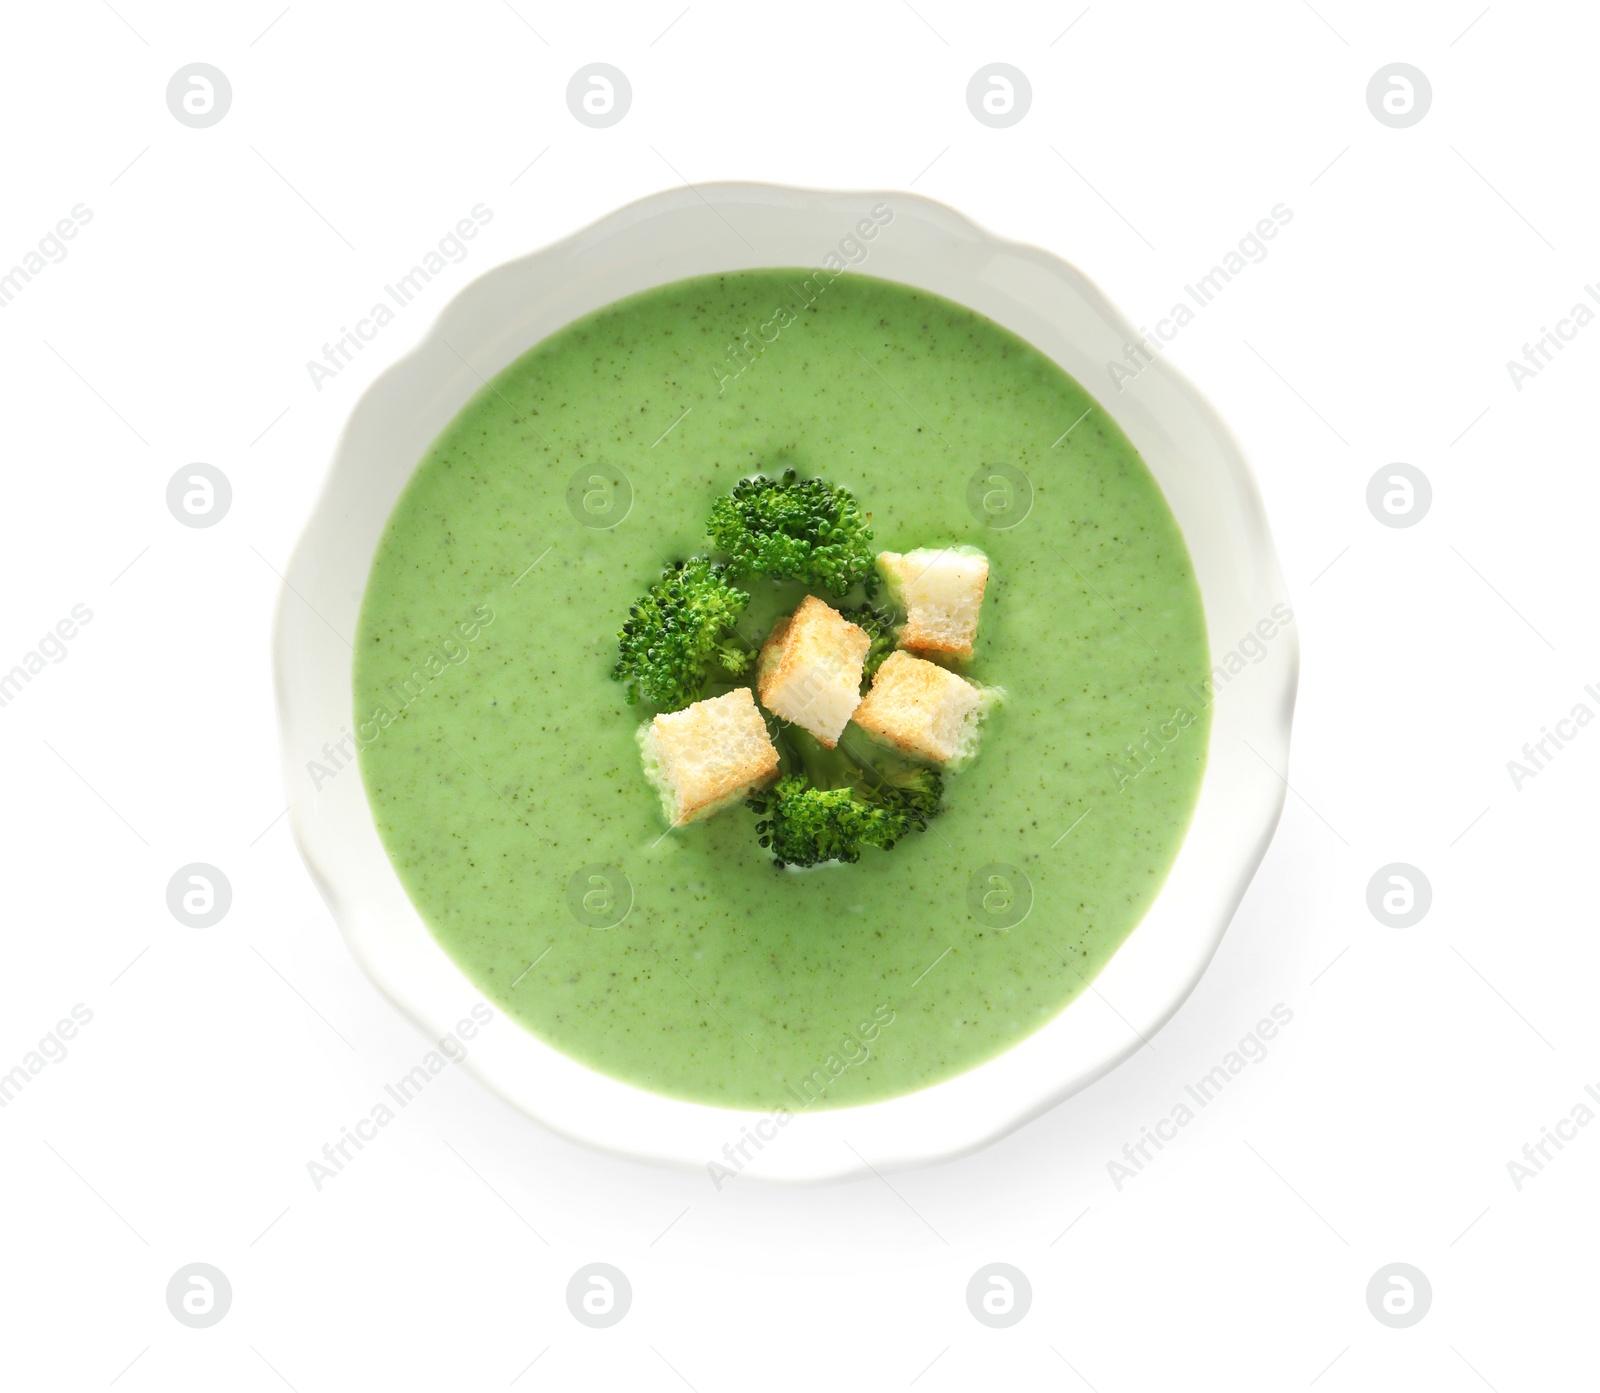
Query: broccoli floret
{"points": [[794, 529], [911, 795], [839, 805], [803, 825], [676, 632], [880, 629]]}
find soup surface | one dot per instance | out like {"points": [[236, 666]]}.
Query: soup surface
{"points": [[500, 760]]}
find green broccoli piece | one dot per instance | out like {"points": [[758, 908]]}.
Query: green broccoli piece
{"points": [[839, 805], [803, 825], [880, 629], [679, 629], [910, 796], [794, 529]]}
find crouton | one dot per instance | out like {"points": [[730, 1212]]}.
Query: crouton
{"points": [[771, 652], [941, 591], [809, 669], [924, 711], [708, 756]]}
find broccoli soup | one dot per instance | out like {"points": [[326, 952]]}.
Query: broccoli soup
{"points": [[643, 841]]}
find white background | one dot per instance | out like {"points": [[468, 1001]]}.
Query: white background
{"points": [[1419, 1061]]}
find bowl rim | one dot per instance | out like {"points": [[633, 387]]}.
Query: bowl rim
{"points": [[656, 1137]]}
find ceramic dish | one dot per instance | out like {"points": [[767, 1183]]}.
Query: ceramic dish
{"points": [[717, 228]]}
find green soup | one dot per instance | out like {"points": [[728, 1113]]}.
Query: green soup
{"points": [[500, 758]]}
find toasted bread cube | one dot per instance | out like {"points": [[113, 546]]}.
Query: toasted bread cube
{"points": [[941, 591], [708, 756], [809, 669], [771, 653], [924, 711]]}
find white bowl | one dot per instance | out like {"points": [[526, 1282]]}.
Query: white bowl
{"points": [[1054, 307]]}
